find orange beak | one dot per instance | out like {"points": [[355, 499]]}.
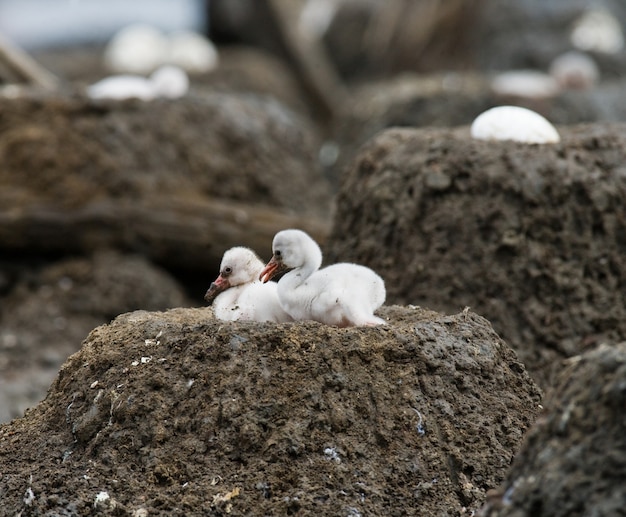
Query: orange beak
{"points": [[270, 271]]}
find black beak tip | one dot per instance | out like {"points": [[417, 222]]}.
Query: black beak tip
{"points": [[211, 293]]}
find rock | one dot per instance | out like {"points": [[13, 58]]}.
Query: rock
{"points": [[203, 149], [456, 99], [367, 39], [530, 236], [574, 457], [237, 147], [250, 70], [49, 311], [408, 100], [178, 413]]}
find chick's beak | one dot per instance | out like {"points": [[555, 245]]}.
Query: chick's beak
{"points": [[220, 284], [270, 271]]}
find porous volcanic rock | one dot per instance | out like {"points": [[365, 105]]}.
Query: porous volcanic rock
{"points": [[456, 99], [238, 147], [176, 181], [533, 237], [49, 309], [407, 100], [573, 461], [177, 413]]}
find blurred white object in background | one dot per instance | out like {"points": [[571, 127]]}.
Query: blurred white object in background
{"points": [[316, 16], [575, 70], [531, 84], [192, 52], [119, 87], [136, 49], [170, 82], [514, 123], [167, 81], [598, 30], [140, 49]]}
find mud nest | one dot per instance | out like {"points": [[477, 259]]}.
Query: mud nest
{"points": [[177, 413], [531, 237]]}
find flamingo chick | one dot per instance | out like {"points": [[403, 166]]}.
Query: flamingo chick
{"points": [[237, 294], [343, 294]]}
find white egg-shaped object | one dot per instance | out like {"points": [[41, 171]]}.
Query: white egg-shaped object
{"points": [[598, 30], [136, 49], [514, 123], [170, 81], [192, 52], [575, 70]]}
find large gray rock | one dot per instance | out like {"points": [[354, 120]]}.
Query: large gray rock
{"points": [[573, 461], [177, 181]]}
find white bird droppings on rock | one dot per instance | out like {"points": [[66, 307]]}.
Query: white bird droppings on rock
{"points": [[101, 499], [29, 496], [331, 453], [514, 123]]}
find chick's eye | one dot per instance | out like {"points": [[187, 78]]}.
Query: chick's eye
{"points": [[227, 271], [277, 253]]}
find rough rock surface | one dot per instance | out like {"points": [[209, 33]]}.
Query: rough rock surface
{"points": [[408, 100], [239, 147], [531, 237], [456, 99], [176, 413], [241, 69], [48, 310], [573, 461]]}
